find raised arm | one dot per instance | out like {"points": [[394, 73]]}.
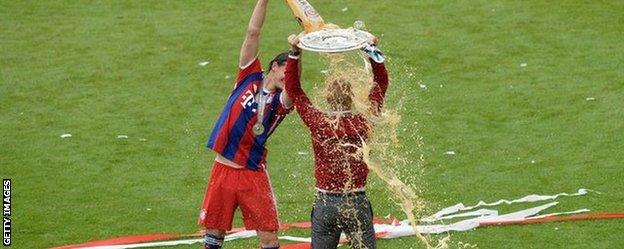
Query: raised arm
{"points": [[249, 50], [380, 80], [306, 110], [293, 40]]}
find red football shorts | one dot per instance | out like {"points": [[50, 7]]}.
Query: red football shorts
{"points": [[230, 188]]}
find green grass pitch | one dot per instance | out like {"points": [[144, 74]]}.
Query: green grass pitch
{"points": [[98, 69]]}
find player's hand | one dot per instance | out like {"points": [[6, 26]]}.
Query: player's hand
{"points": [[293, 40], [373, 40], [373, 51]]}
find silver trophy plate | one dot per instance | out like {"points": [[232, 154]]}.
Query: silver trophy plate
{"points": [[334, 40]]}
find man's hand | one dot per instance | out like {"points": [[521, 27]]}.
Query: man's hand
{"points": [[372, 51], [293, 40], [373, 40]]}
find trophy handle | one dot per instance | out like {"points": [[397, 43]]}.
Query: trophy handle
{"points": [[309, 19]]}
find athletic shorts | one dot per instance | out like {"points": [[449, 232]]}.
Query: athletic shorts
{"points": [[230, 188], [334, 214]]}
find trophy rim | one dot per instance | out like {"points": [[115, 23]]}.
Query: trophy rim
{"points": [[354, 39]]}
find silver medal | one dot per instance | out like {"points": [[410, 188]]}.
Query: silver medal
{"points": [[258, 129]]}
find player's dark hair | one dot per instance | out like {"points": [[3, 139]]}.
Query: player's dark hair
{"points": [[280, 59]]}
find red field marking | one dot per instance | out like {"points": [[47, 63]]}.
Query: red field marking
{"points": [[297, 246], [123, 240]]}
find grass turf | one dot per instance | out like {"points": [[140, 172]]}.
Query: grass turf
{"points": [[98, 69]]}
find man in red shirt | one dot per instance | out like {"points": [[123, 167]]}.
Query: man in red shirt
{"points": [[254, 108], [341, 204]]}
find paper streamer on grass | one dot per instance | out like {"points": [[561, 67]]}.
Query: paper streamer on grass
{"points": [[440, 215], [153, 244], [404, 229]]}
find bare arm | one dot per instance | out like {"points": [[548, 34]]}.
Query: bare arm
{"points": [[251, 45]]}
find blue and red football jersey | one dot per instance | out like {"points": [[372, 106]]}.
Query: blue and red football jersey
{"points": [[232, 136]]}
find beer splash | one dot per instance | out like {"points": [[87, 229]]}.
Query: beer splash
{"points": [[381, 149]]}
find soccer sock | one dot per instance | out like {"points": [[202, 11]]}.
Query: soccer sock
{"points": [[213, 242], [277, 247]]}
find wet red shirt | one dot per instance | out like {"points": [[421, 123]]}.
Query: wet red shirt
{"points": [[336, 137]]}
